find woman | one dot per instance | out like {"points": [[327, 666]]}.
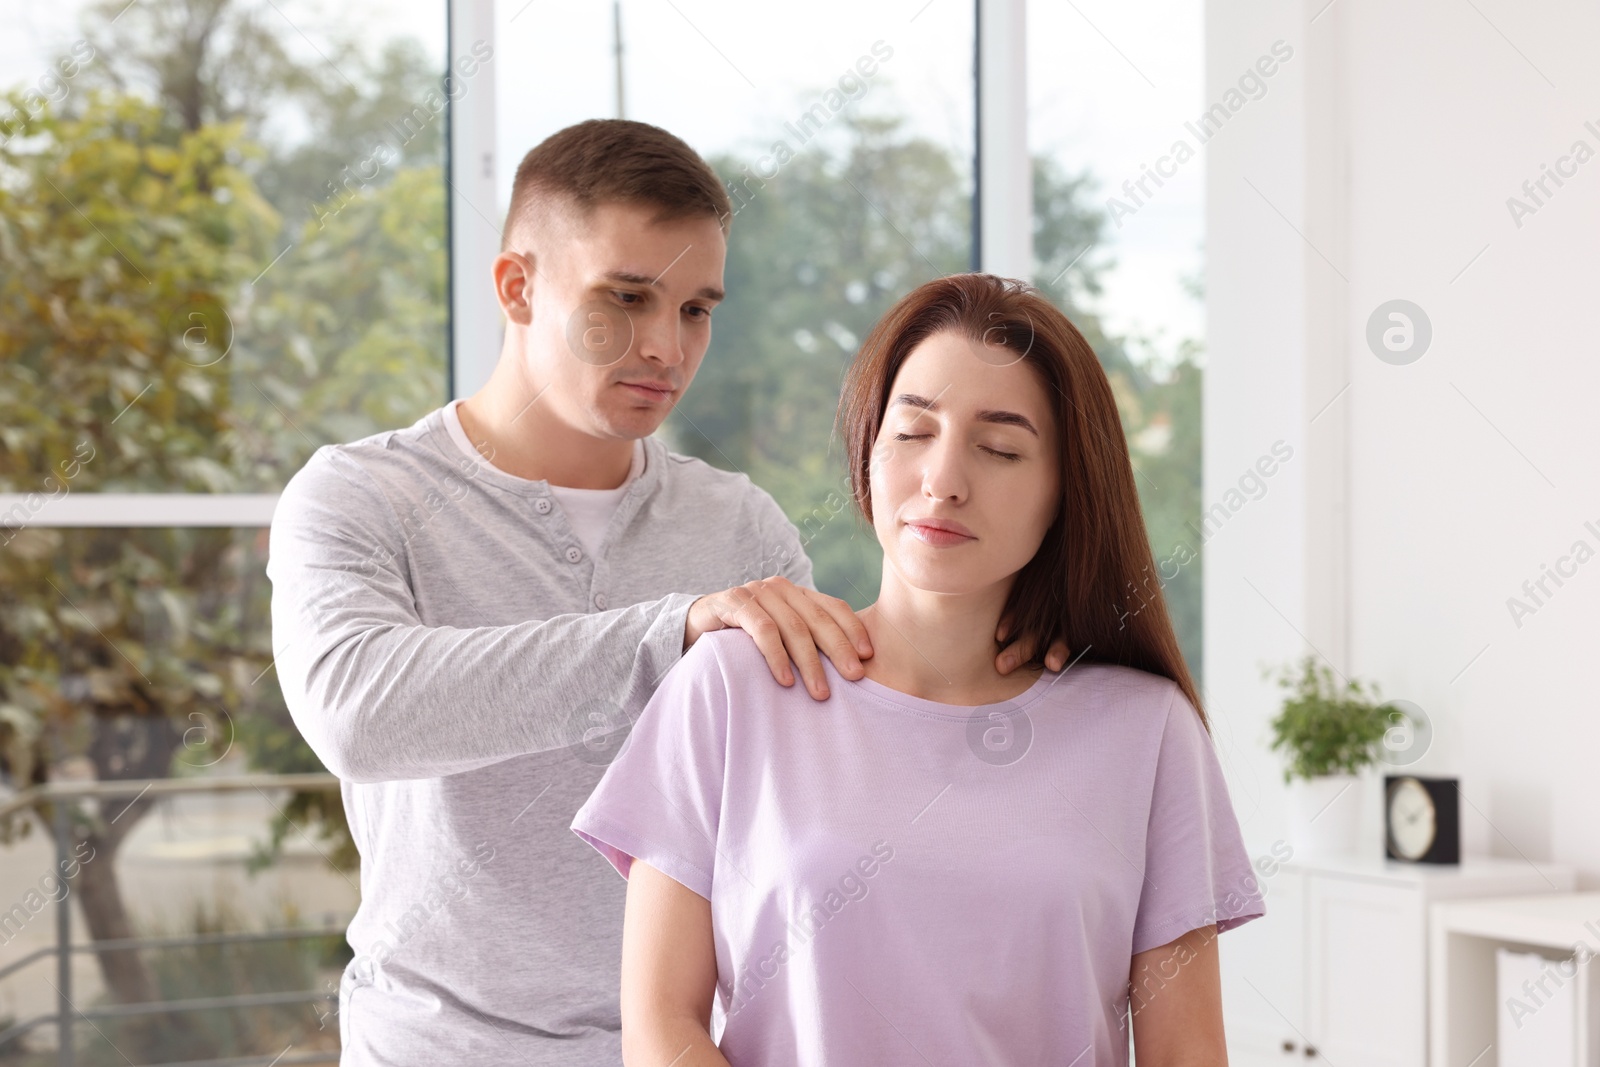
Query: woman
{"points": [[941, 864]]}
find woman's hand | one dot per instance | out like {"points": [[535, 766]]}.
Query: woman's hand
{"points": [[669, 974]]}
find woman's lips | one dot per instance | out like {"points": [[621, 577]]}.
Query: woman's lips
{"points": [[940, 535]]}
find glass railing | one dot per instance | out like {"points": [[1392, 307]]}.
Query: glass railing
{"points": [[234, 921]]}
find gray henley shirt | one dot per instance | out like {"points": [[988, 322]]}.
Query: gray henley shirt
{"points": [[450, 651]]}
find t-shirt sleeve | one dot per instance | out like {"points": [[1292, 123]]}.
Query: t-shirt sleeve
{"points": [[661, 799], [1196, 869]]}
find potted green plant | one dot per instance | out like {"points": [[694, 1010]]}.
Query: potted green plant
{"points": [[1328, 733]]}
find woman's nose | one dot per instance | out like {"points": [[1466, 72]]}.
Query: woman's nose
{"points": [[945, 476]]}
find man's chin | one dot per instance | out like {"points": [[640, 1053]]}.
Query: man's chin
{"points": [[632, 423]]}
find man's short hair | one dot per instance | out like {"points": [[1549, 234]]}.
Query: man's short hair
{"points": [[614, 161]]}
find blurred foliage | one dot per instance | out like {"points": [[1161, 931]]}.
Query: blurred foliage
{"points": [[122, 235], [315, 113], [186, 308]]}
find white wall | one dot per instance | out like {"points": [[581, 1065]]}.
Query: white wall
{"points": [[1419, 497]]}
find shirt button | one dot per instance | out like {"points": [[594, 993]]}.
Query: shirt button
{"points": [[600, 601], [573, 554], [542, 506]]}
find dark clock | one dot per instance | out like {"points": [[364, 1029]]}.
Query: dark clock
{"points": [[1423, 819]]}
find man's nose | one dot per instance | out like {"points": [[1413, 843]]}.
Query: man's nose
{"points": [[660, 337]]}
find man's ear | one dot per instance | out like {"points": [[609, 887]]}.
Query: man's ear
{"points": [[514, 276]]}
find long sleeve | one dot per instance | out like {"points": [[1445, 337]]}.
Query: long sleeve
{"points": [[380, 696]]}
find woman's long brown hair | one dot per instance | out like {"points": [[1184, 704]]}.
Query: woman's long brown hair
{"points": [[1090, 583]]}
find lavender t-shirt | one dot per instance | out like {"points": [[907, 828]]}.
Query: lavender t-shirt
{"points": [[898, 881]]}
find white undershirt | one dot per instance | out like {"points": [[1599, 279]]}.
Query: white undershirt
{"points": [[588, 511]]}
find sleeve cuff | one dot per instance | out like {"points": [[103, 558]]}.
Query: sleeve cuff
{"points": [[621, 847], [663, 642], [1171, 929]]}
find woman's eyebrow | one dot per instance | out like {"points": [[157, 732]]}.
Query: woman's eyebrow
{"points": [[1003, 418], [914, 400], [1008, 418]]}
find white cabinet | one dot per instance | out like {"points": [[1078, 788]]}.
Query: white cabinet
{"points": [[1336, 971], [1263, 977]]}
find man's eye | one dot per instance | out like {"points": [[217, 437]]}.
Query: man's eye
{"points": [[626, 297], [696, 312]]}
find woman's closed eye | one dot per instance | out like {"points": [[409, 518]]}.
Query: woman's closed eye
{"points": [[997, 453]]}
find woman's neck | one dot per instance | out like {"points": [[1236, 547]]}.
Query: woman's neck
{"points": [[940, 646]]}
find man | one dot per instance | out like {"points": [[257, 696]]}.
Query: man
{"points": [[467, 611]]}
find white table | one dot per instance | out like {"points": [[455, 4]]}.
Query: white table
{"points": [[1463, 940]]}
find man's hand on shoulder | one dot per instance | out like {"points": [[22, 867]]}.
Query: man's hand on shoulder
{"points": [[787, 622]]}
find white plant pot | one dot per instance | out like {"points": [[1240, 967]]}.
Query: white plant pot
{"points": [[1325, 815]]}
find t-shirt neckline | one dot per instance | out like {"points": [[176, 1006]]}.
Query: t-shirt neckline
{"points": [[957, 712]]}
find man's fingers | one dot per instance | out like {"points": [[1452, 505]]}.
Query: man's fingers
{"points": [[837, 631], [845, 617], [743, 610], [836, 645], [796, 626], [797, 637], [1014, 655], [1021, 650]]}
